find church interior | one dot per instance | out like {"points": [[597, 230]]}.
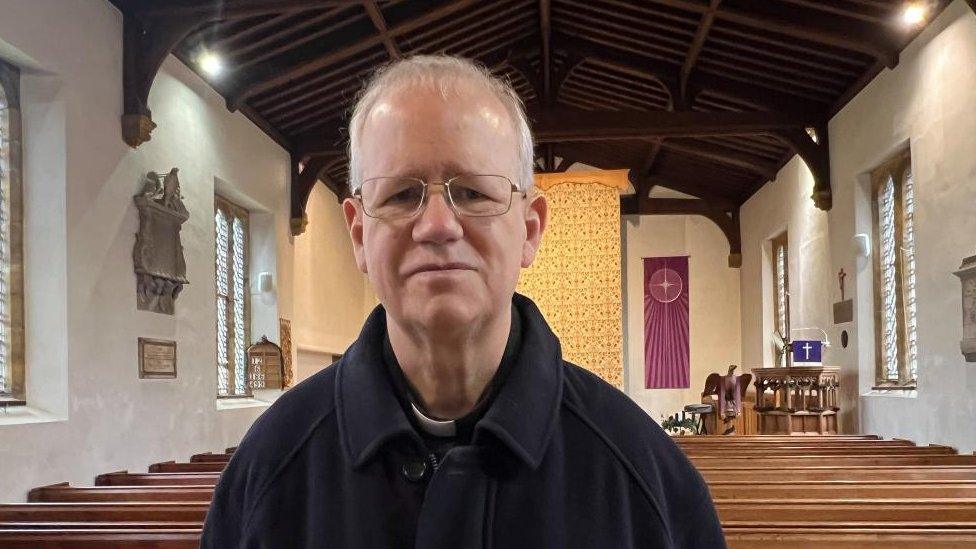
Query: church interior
{"points": [[758, 234]]}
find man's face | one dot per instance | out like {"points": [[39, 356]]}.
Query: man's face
{"points": [[436, 270]]}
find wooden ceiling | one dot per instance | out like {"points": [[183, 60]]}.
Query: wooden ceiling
{"points": [[707, 97]]}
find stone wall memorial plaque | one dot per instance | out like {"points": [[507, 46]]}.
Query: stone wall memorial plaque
{"points": [[967, 276], [157, 358], [158, 254]]}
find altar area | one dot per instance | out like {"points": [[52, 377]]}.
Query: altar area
{"points": [[797, 400]]}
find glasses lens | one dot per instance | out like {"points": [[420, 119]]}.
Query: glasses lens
{"points": [[481, 195], [392, 197]]}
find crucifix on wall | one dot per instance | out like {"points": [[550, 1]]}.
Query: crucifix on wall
{"points": [[844, 309]]}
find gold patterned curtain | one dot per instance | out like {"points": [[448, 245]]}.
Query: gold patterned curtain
{"points": [[575, 279]]}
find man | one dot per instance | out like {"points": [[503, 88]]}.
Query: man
{"points": [[453, 421]]}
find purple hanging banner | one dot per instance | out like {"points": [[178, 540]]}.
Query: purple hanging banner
{"points": [[667, 362]]}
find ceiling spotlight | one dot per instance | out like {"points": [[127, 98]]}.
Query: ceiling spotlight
{"points": [[812, 132], [210, 63], [914, 14]]}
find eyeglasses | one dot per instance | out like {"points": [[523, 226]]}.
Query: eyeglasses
{"points": [[469, 195]]}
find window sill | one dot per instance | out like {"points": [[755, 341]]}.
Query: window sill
{"points": [[23, 415], [896, 392], [260, 399]]}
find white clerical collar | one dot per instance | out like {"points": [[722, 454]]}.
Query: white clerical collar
{"points": [[434, 427]]}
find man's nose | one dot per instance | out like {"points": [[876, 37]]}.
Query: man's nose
{"points": [[437, 222]]}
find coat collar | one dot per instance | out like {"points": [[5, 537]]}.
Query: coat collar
{"points": [[523, 415]]}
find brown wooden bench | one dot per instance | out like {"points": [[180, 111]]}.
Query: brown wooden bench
{"points": [[775, 537], [825, 511], [174, 467], [209, 457], [111, 512], [793, 461], [65, 493], [124, 478], [102, 539], [829, 472], [813, 451], [819, 489], [774, 438], [97, 525]]}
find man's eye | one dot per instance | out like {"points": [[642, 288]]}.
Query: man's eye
{"points": [[406, 195], [465, 193]]}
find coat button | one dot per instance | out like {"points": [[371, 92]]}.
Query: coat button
{"points": [[415, 470]]}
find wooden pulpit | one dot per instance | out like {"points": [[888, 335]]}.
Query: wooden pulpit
{"points": [[797, 400]]}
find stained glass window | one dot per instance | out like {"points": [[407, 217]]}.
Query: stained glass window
{"points": [[11, 251], [781, 282], [889, 288], [895, 274], [5, 370], [231, 242]]}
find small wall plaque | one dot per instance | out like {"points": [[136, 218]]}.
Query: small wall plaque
{"points": [[844, 311], [157, 358]]}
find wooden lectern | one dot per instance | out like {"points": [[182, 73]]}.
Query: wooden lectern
{"points": [[797, 400]]}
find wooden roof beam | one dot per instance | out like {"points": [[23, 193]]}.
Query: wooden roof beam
{"points": [[287, 37], [727, 221], [669, 77], [685, 98], [145, 44], [642, 184], [716, 194], [866, 39], [817, 158], [728, 157], [304, 176], [562, 125], [545, 31], [380, 23], [270, 75], [227, 9]]}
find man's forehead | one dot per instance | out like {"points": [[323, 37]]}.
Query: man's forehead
{"points": [[459, 103]]}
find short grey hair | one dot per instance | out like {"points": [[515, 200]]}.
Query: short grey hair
{"points": [[442, 72]]}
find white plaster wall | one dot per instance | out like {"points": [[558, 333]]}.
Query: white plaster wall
{"points": [[713, 307], [785, 205], [82, 322], [925, 101], [334, 293]]}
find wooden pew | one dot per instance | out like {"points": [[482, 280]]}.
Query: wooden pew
{"points": [[793, 461], [101, 539], [814, 451], [124, 478], [880, 536], [823, 511], [65, 493], [110, 512], [209, 457], [98, 525], [827, 472], [174, 467], [858, 489], [774, 438]]}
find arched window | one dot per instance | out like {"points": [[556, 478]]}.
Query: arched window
{"points": [[231, 243], [894, 273], [12, 390]]}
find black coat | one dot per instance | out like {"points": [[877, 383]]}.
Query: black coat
{"points": [[560, 459]]}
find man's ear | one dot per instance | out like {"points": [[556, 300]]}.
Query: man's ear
{"points": [[536, 217], [354, 222]]}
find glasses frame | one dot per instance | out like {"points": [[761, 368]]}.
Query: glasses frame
{"points": [[358, 195]]}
